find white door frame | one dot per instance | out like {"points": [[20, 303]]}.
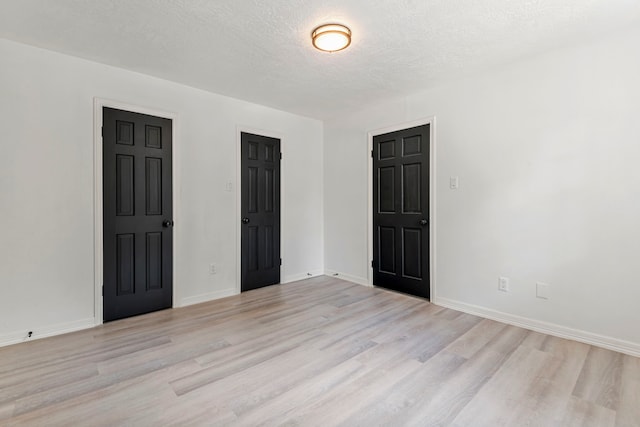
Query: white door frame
{"points": [[431, 121], [98, 104], [270, 134]]}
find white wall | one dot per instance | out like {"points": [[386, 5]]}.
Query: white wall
{"points": [[46, 186], [548, 154]]}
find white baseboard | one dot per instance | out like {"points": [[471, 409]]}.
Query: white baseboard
{"points": [[347, 277], [301, 276], [197, 299], [46, 331], [609, 343]]}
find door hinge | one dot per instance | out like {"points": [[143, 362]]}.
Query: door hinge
{"points": [[373, 264], [280, 261], [280, 156], [103, 291], [372, 154], [102, 131]]}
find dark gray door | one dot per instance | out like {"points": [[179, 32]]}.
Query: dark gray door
{"points": [[260, 193], [401, 211], [137, 214]]}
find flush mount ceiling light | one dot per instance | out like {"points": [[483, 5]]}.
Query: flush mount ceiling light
{"points": [[331, 37]]}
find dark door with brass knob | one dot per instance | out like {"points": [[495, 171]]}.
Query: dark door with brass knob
{"points": [[401, 209], [137, 214], [260, 211]]}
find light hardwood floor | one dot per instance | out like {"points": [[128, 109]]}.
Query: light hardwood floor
{"points": [[320, 352]]}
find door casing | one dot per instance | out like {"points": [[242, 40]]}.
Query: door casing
{"points": [[98, 105], [431, 121]]}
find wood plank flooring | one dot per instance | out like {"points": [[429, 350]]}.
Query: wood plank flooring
{"points": [[320, 352]]}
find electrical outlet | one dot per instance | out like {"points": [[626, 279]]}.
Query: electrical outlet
{"points": [[503, 284], [212, 269], [542, 290]]}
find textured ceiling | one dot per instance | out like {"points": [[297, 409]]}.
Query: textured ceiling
{"points": [[260, 50]]}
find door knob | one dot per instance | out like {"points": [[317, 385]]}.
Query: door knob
{"points": [[424, 222], [245, 220], [167, 223]]}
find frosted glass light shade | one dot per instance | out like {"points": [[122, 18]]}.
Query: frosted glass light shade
{"points": [[331, 37]]}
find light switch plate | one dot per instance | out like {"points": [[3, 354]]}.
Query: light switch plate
{"points": [[454, 182]]}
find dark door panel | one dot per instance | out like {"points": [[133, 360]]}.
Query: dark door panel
{"points": [[137, 214], [260, 193], [401, 211]]}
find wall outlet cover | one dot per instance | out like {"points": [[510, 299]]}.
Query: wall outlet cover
{"points": [[543, 290], [503, 284]]}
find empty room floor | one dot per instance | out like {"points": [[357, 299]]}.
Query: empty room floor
{"points": [[319, 352]]}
